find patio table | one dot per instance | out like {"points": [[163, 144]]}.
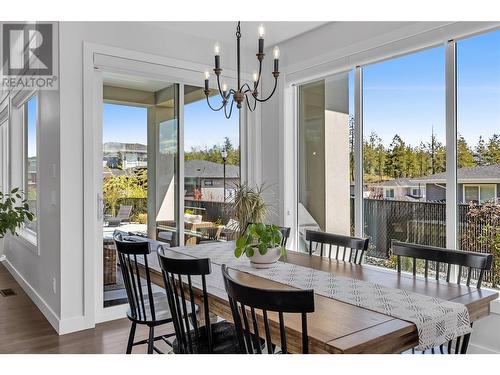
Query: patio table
{"points": [[335, 326]]}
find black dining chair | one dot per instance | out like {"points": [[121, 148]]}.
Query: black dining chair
{"points": [[469, 263], [340, 247], [144, 307], [245, 300], [191, 338]]}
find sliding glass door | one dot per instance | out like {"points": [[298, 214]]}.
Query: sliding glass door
{"points": [[140, 188]]}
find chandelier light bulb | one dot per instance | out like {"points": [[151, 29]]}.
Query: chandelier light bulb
{"points": [[217, 49], [262, 31], [276, 52], [224, 87], [255, 76], [207, 74]]}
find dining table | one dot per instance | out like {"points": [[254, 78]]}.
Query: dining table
{"points": [[334, 326]]}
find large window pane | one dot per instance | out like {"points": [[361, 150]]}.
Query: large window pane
{"points": [[478, 125], [404, 152], [326, 159], [211, 168]]}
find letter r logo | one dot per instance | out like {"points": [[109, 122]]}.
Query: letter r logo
{"points": [[27, 49]]}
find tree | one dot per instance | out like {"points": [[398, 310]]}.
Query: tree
{"points": [[125, 186], [396, 158], [465, 158], [480, 152], [492, 154]]}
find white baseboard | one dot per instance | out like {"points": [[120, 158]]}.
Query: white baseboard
{"points": [[49, 314], [61, 326]]}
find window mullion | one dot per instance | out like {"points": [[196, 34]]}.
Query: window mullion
{"points": [[451, 146]]}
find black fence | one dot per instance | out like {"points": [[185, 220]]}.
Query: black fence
{"points": [[417, 222]]}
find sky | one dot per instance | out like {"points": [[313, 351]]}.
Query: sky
{"points": [[32, 104], [202, 126], [405, 95]]}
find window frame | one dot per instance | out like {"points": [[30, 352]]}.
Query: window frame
{"points": [[28, 234], [479, 188]]}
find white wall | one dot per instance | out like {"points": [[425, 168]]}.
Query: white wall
{"points": [[37, 268]]}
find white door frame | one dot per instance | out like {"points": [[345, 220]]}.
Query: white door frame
{"points": [[96, 59]]}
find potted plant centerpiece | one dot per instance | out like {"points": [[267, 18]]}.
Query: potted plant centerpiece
{"points": [[14, 212], [262, 245]]}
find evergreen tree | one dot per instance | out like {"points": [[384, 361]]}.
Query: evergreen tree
{"points": [[480, 152], [396, 158], [465, 158], [492, 154]]}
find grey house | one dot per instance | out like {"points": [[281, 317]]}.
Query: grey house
{"points": [[476, 184], [208, 177], [397, 189]]}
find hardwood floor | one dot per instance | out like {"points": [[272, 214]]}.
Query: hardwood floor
{"points": [[24, 329]]}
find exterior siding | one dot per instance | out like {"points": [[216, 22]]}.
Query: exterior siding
{"points": [[435, 193]]}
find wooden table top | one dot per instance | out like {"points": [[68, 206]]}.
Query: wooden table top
{"points": [[339, 327]]}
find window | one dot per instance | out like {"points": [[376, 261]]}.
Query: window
{"points": [[404, 142], [31, 159], [389, 193], [210, 174], [478, 142], [326, 156], [479, 194]]}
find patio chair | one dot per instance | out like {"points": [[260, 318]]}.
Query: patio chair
{"points": [[469, 264], [123, 215]]}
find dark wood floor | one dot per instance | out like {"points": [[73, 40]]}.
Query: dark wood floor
{"points": [[24, 329]]}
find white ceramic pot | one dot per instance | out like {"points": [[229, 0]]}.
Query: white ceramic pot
{"points": [[267, 260]]}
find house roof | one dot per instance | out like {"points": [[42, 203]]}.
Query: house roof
{"points": [[398, 182], [481, 173], [209, 169], [124, 147]]}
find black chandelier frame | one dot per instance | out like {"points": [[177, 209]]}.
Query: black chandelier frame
{"points": [[244, 91]]}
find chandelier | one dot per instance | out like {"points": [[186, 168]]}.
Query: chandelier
{"points": [[243, 93]]}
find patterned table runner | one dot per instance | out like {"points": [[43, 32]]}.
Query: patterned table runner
{"points": [[437, 321]]}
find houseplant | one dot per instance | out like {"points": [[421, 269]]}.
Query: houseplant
{"points": [[14, 212], [248, 205], [262, 245]]}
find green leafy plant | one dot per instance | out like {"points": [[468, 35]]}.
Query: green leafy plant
{"points": [[258, 237], [14, 212], [248, 205]]}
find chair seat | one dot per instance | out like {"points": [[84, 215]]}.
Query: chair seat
{"points": [[224, 340], [162, 312]]}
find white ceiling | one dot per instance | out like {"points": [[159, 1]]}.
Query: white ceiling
{"points": [[224, 32]]}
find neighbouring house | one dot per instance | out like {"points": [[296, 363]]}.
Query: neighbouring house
{"points": [[208, 177], [118, 155], [397, 189], [475, 184]]}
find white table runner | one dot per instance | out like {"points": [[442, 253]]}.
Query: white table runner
{"points": [[438, 321]]}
